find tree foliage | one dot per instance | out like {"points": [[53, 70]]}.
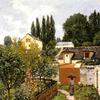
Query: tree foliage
{"points": [[81, 30], [33, 30], [45, 31], [38, 29], [44, 68], [94, 22], [75, 29], [7, 41], [12, 68], [96, 39]]}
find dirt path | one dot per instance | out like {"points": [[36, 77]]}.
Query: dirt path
{"points": [[68, 97]]}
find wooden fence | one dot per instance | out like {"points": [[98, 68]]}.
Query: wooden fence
{"points": [[47, 94]]}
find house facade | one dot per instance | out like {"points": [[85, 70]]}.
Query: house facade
{"points": [[28, 40]]}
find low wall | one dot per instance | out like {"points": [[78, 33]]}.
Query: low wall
{"points": [[47, 94]]}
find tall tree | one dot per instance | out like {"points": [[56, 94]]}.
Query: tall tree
{"points": [[52, 28], [43, 31], [48, 29], [38, 29], [33, 30], [75, 29], [94, 22]]}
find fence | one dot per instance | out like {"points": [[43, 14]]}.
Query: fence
{"points": [[47, 94]]}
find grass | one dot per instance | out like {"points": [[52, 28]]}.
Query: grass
{"points": [[64, 87], [82, 92], [59, 96]]}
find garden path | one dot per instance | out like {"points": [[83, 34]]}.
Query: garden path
{"points": [[68, 97]]}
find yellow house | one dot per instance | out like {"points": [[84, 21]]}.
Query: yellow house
{"points": [[28, 39]]}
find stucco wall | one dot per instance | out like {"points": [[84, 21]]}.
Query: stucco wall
{"points": [[65, 72], [87, 76]]}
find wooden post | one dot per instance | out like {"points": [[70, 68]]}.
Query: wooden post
{"points": [[97, 78]]}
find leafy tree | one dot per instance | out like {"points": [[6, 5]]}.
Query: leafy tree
{"points": [[33, 30], [12, 68], [96, 40], [75, 29], [44, 69], [87, 44], [7, 40]]}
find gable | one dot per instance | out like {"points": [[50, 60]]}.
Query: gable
{"points": [[27, 40]]}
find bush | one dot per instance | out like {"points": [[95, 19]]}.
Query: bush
{"points": [[24, 93]]}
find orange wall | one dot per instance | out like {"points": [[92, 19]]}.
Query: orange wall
{"points": [[65, 72]]}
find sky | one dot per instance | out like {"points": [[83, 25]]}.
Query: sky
{"points": [[16, 16]]}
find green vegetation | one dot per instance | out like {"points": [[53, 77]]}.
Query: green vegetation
{"points": [[64, 87], [12, 69], [59, 96], [7, 41], [83, 92], [86, 93], [24, 73], [81, 31], [45, 32]]}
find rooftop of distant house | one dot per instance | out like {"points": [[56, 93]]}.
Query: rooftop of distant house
{"points": [[64, 44]]}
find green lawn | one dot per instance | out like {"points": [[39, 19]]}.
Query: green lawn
{"points": [[59, 96], [82, 92]]}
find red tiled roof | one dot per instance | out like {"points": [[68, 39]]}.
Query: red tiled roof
{"points": [[67, 66]]}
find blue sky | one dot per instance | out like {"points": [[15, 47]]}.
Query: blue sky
{"points": [[16, 16]]}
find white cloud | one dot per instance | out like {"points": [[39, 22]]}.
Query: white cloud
{"points": [[59, 31], [17, 15]]}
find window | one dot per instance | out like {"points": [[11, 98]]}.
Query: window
{"points": [[29, 45], [28, 40], [86, 55], [67, 58]]}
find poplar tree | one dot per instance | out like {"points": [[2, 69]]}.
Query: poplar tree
{"points": [[94, 22], [38, 29], [33, 30], [43, 31], [52, 27], [48, 29]]}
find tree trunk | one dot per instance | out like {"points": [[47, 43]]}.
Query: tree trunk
{"points": [[9, 94]]}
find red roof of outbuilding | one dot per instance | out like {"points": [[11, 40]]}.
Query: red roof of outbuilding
{"points": [[67, 66]]}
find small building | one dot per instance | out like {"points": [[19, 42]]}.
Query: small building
{"points": [[83, 59], [28, 39], [67, 70]]}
